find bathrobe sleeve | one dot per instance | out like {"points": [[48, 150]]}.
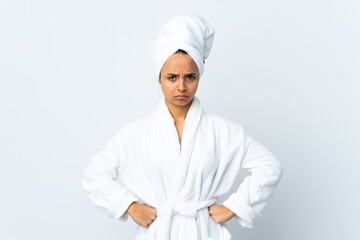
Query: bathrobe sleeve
{"points": [[256, 189], [101, 185]]}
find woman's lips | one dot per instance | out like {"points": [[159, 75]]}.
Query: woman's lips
{"points": [[181, 97]]}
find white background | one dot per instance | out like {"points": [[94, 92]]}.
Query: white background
{"points": [[74, 72]]}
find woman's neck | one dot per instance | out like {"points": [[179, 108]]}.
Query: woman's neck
{"points": [[178, 112]]}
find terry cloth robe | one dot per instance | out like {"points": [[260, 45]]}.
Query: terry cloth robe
{"points": [[145, 162]]}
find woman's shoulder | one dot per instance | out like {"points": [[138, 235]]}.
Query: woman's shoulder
{"points": [[226, 130]]}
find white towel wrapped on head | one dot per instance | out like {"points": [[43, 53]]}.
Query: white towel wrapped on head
{"points": [[189, 32]]}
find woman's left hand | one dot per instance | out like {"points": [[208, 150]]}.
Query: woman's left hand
{"points": [[220, 213]]}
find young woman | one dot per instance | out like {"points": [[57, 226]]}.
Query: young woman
{"points": [[167, 170]]}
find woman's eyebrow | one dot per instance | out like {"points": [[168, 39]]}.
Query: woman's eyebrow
{"points": [[174, 74], [178, 74]]}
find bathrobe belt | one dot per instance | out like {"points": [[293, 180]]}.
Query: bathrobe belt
{"points": [[186, 209]]}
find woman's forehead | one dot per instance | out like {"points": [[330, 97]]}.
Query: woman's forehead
{"points": [[180, 62]]}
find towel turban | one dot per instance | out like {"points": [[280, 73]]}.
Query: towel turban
{"points": [[189, 32]]}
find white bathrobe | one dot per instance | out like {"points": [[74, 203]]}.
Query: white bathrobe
{"points": [[145, 162]]}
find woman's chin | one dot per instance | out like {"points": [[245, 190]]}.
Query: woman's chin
{"points": [[181, 103]]}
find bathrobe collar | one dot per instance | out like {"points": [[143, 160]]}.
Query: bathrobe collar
{"points": [[171, 137]]}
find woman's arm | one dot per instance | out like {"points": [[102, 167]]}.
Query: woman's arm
{"points": [[100, 185], [257, 188]]}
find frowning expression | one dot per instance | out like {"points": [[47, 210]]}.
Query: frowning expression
{"points": [[179, 79]]}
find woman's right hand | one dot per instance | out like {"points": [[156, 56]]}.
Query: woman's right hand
{"points": [[142, 214]]}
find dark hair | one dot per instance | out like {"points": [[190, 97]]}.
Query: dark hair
{"points": [[179, 51]]}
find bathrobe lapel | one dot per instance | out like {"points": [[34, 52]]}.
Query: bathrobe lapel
{"points": [[176, 160], [178, 156]]}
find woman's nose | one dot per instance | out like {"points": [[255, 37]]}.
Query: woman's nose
{"points": [[182, 86]]}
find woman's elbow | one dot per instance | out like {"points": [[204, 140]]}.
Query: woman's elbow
{"points": [[275, 170], [278, 169]]}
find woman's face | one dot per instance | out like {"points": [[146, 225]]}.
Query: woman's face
{"points": [[179, 77]]}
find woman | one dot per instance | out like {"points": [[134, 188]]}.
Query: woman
{"points": [[167, 170]]}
